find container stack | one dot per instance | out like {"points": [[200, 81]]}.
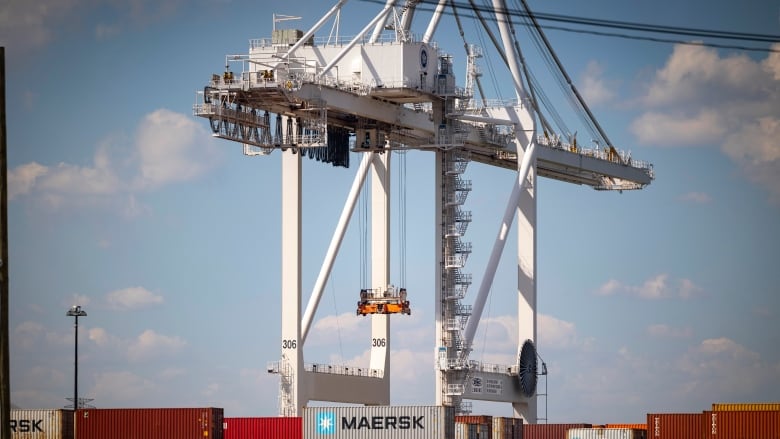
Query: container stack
{"points": [[549, 431], [724, 421], [42, 424], [149, 423], [674, 425], [507, 428], [759, 420], [473, 427]]}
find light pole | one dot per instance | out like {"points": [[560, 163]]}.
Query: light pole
{"points": [[76, 311]]}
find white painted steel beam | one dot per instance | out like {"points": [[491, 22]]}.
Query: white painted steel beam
{"points": [[380, 263], [293, 397], [381, 16], [435, 19], [314, 28], [380, 26]]}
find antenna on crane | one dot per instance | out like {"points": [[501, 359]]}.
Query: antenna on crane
{"points": [[281, 17]]}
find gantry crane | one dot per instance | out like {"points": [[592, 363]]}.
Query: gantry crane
{"points": [[304, 95]]}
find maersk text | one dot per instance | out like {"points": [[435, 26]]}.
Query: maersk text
{"points": [[382, 422]]}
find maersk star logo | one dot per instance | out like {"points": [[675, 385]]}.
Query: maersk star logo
{"points": [[326, 423]]}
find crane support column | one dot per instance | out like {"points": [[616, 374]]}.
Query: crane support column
{"points": [[291, 365], [526, 278], [380, 263]]}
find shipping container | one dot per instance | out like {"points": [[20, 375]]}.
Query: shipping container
{"points": [[633, 426], [746, 407], [42, 424], [675, 425], [606, 433], [379, 422], [549, 431], [472, 431], [474, 419], [149, 423], [739, 425], [507, 428], [256, 428]]}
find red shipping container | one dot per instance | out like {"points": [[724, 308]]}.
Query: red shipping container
{"points": [[255, 428], [738, 425], [549, 431], [149, 423], [675, 425]]}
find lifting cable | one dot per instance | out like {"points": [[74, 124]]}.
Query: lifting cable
{"points": [[364, 230], [583, 107], [402, 215], [553, 67], [496, 43], [336, 313]]}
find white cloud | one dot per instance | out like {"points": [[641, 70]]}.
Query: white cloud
{"points": [[555, 333], [21, 179], [411, 368], [611, 287], [693, 72], [730, 102], [696, 197], [343, 327], [102, 338], [26, 25], [132, 298], [727, 370], [674, 129], [169, 148], [594, 89], [657, 287], [755, 148], [662, 330], [27, 333], [151, 344], [172, 148]]}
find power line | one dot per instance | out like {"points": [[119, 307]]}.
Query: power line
{"points": [[663, 40], [624, 25]]}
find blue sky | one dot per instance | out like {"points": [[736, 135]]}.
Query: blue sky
{"points": [[660, 300]]}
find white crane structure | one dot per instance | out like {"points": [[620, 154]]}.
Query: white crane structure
{"points": [[388, 90]]}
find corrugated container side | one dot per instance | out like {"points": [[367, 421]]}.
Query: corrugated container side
{"points": [[507, 428], [253, 428], [480, 431], [746, 407], [632, 426], [473, 419], [42, 424], [150, 423], [675, 425], [379, 422], [746, 424], [461, 431], [549, 431], [605, 433]]}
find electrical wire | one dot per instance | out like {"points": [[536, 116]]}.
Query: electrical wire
{"points": [[336, 313], [473, 10]]}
